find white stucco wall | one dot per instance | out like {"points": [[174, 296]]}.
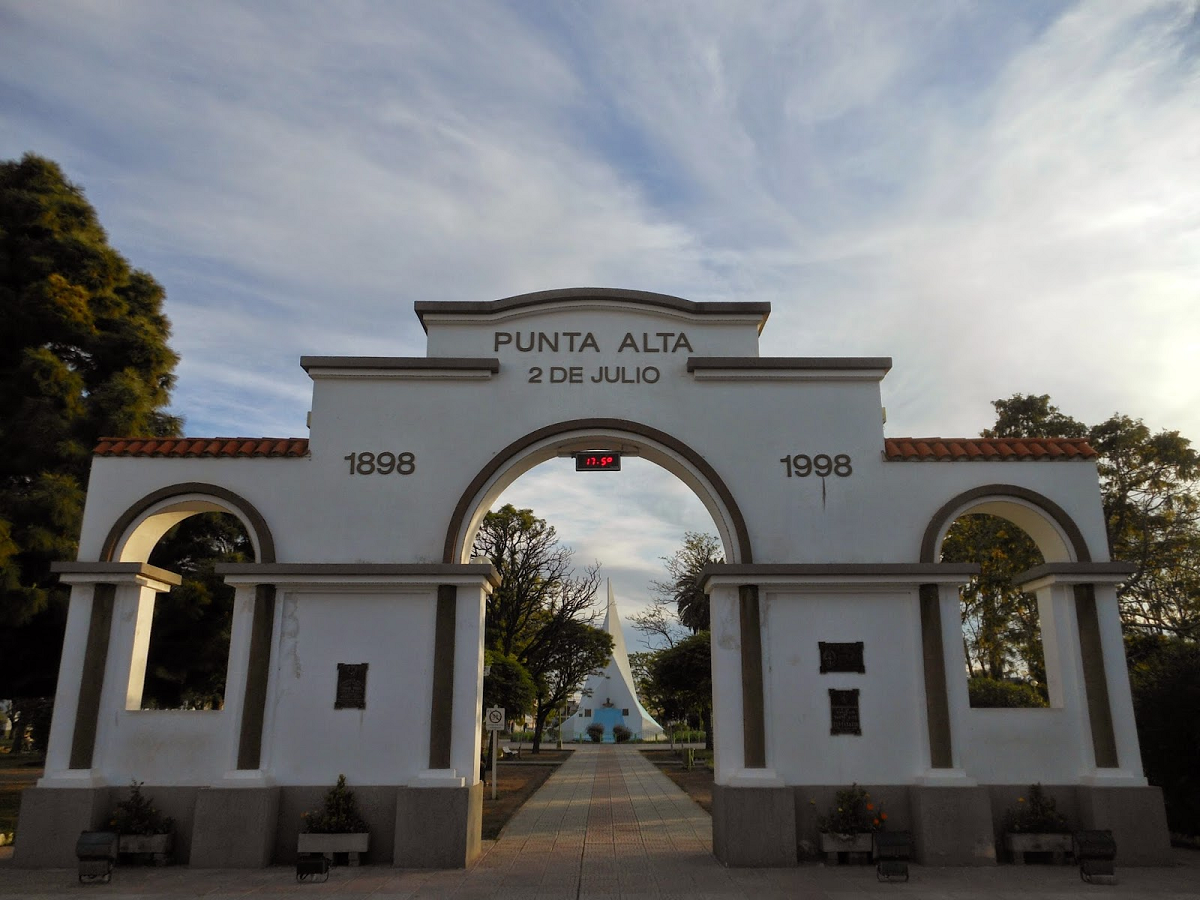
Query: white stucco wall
{"points": [[891, 749], [740, 421], [388, 741]]}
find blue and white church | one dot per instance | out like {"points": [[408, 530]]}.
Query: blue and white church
{"points": [[610, 697]]}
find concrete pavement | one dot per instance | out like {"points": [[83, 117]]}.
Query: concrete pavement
{"points": [[608, 824]]}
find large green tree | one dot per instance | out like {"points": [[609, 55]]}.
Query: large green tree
{"points": [[543, 613], [83, 353], [1149, 485], [189, 637], [675, 677], [680, 679], [1001, 632]]}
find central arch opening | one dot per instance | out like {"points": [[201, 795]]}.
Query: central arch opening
{"points": [[628, 522], [579, 436]]}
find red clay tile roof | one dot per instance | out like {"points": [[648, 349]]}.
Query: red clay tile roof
{"points": [[224, 447], [986, 449]]}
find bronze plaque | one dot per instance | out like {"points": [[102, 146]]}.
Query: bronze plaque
{"points": [[843, 712], [841, 657], [351, 686]]}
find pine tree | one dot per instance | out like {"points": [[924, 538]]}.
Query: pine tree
{"points": [[83, 353]]}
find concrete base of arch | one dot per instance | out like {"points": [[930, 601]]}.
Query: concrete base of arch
{"points": [[50, 822], [235, 828], [438, 828], [1137, 818], [754, 826], [952, 826]]}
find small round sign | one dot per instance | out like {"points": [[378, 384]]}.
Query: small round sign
{"points": [[493, 718]]}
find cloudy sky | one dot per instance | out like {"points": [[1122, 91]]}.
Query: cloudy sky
{"points": [[1002, 196]]}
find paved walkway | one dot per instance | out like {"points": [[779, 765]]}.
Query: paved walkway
{"points": [[607, 824]]}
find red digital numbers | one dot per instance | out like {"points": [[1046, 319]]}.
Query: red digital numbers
{"points": [[598, 461]]}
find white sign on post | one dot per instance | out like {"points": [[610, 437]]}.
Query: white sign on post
{"points": [[493, 720]]}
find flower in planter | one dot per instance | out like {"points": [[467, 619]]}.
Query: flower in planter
{"points": [[1036, 814], [853, 812], [138, 815], [338, 815]]}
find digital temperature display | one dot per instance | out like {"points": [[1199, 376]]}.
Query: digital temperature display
{"points": [[598, 461]]}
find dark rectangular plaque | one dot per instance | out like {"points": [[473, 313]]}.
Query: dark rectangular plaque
{"points": [[351, 686], [841, 657], [843, 712]]}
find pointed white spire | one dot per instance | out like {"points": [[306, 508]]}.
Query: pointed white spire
{"points": [[612, 688], [612, 624], [619, 654]]}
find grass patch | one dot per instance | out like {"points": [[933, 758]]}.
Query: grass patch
{"points": [[17, 772]]}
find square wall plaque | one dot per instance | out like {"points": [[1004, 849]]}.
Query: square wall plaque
{"points": [[351, 686], [843, 712], [841, 657]]}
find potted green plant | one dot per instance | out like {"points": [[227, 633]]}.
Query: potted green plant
{"points": [[142, 830], [336, 827], [595, 732], [1035, 825], [621, 734], [849, 824]]}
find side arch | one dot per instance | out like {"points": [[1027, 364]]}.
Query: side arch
{"points": [[695, 472], [1055, 525], [192, 497]]}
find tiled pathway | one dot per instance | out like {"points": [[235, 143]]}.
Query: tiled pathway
{"points": [[608, 824]]}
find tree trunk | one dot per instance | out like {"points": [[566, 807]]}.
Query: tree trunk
{"points": [[539, 724]]}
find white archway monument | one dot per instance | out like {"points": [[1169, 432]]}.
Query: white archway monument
{"points": [[837, 652]]}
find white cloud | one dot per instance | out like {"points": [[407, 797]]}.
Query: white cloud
{"points": [[1002, 198]]}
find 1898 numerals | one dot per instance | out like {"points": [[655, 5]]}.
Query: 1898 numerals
{"points": [[802, 465], [385, 463]]}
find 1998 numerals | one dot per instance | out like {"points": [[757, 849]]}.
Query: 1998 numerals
{"points": [[385, 463], [802, 465]]}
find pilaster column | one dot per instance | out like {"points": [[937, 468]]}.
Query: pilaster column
{"points": [[245, 680], [725, 622], [71, 670], [97, 649], [1093, 655]]}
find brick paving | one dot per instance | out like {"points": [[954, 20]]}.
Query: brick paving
{"points": [[608, 824]]}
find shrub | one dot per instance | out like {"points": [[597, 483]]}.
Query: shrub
{"points": [[994, 693], [1035, 814], [621, 734], [338, 815], [1165, 676], [853, 812], [595, 732], [137, 815]]}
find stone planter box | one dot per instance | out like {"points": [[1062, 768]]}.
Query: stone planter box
{"points": [[1018, 845], [157, 847], [328, 844], [857, 848]]}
